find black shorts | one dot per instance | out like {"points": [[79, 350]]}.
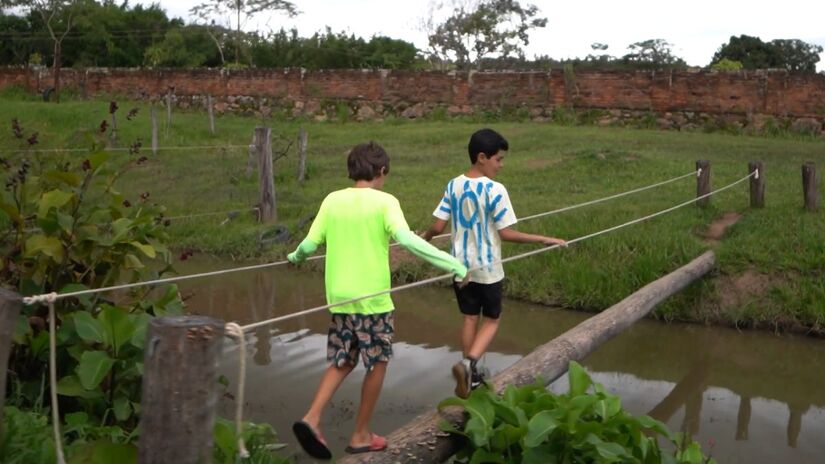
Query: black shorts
{"points": [[476, 298]]}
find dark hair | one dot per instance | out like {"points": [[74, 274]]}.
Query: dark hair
{"points": [[486, 141], [366, 160]]}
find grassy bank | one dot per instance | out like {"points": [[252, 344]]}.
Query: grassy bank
{"points": [[771, 262]]}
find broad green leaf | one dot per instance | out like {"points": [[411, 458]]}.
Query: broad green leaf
{"points": [[541, 455], [120, 453], [652, 424], [482, 456], [579, 380], [49, 246], [12, 211], [141, 324], [97, 159], [122, 408], [452, 401], [224, 436], [132, 262], [120, 228], [69, 178], [21, 330], [613, 452], [76, 419], [93, 368], [691, 455], [70, 386], [148, 250], [89, 329], [52, 199], [539, 428], [65, 221], [117, 327]]}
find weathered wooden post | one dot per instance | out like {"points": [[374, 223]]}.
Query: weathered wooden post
{"points": [[743, 418], [809, 186], [168, 108], [266, 181], [703, 182], [154, 130], [179, 389], [757, 184], [302, 155], [10, 304], [211, 110]]}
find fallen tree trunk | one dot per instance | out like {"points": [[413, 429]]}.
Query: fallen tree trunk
{"points": [[420, 440]]}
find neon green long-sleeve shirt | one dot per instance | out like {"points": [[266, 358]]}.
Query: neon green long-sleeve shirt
{"points": [[356, 225]]}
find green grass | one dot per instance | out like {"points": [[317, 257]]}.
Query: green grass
{"points": [[549, 166]]}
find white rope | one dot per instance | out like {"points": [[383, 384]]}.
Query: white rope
{"points": [[216, 213], [34, 299], [125, 149], [235, 331], [420, 283], [58, 442]]}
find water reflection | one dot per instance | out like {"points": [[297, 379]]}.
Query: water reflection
{"points": [[757, 395]]}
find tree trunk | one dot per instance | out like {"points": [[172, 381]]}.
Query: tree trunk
{"points": [[56, 70], [417, 441]]}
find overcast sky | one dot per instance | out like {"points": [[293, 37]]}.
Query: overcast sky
{"points": [[695, 28]]}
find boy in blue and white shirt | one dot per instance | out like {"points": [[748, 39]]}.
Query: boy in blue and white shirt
{"points": [[480, 215]]}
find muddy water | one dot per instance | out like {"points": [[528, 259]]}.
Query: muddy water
{"points": [[760, 397]]}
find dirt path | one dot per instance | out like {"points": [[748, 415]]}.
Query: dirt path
{"points": [[713, 235]]}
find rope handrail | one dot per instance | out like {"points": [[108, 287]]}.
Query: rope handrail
{"points": [[126, 149], [215, 213], [42, 297], [505, 260]]}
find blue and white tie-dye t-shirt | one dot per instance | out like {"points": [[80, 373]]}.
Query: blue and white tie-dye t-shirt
{"points": [[477, 208]]}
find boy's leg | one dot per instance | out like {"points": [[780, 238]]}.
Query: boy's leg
{"points": [[330, 381], [483, 338], [370, 391], [468, 334]]}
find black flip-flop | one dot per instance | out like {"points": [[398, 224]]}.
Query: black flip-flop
{"points": [[310, 441], [377, 443]]}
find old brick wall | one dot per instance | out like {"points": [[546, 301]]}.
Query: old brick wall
{"points": [[372, 93]]}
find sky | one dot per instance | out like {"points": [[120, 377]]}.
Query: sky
{"points": [[695, 29]]}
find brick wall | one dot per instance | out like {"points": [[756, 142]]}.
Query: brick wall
{"points": [[744, 93]]}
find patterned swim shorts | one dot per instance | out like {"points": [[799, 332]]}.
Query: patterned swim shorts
{"points": [[369, 336]]}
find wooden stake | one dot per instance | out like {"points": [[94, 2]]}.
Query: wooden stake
{"points": [[211, 110], [168, 109], [809, 186], [179, 389], [548, 362], [266, 180], [757, 184], [10, 304], [302, 155], [252, 158], [703, 182], [154, 130]]}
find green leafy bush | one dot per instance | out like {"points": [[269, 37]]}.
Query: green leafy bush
{"points": [[532, 425]]}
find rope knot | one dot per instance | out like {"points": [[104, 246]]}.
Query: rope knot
{"points": [[44, 298]]}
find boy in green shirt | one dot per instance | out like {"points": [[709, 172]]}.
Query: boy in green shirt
{"points": [[356, 224]]}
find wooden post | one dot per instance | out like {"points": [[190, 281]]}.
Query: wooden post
{"points": [[266, 181], [809, 186], [548, 362], [743, 418], [179, 389], [252, 158], [168, 109], [302, 155], [757, 184], [10, 304], [211, 110], [703, 182], [154, 130]]}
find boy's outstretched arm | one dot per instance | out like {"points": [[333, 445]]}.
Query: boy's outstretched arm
{"points": [[419, 247], [436, 228], [304, 250], [511, 235]]}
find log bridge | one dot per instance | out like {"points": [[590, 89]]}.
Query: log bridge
{"points": [[420, 440]]}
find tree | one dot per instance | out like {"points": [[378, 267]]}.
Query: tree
{"points": [[791, 54], [58, 16], [652, 53], [224, 8], [478, 28]]}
